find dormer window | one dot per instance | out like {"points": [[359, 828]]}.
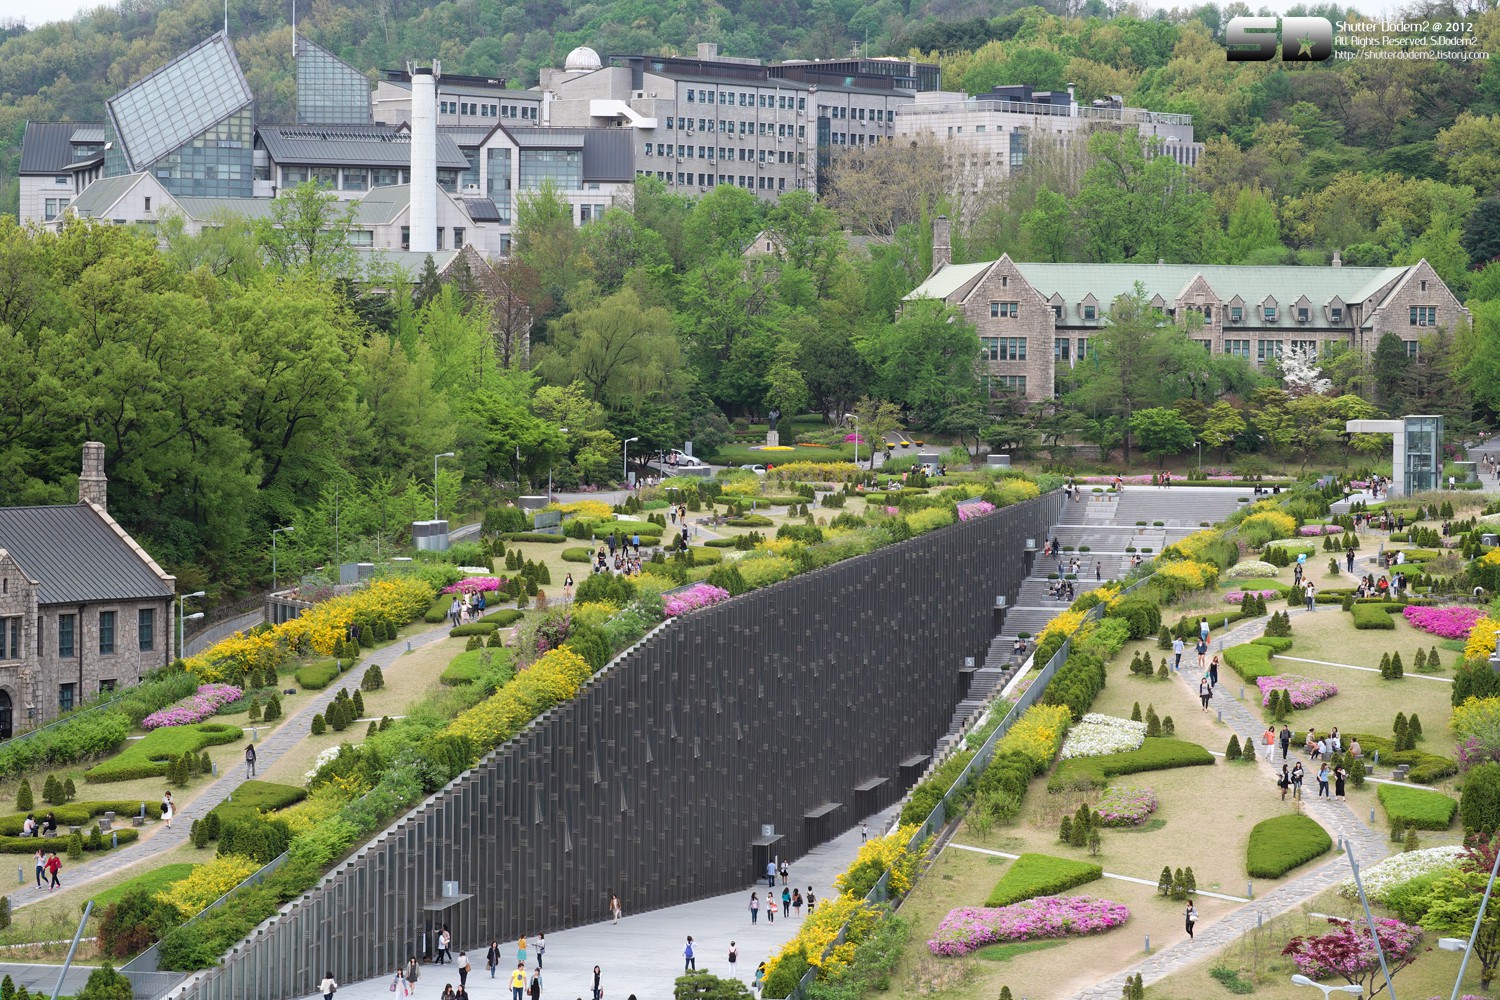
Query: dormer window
{"points": [[1301, 314], [1236, 314], [1269, 313], [1336, 314], [1208, 314], [1090, 312]]}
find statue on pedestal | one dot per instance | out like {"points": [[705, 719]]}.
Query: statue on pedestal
{"points": [[772, 438]]}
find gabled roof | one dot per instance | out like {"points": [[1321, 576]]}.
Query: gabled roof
{"points": [[372, 145], [947, 280], [160, 112], [102, 195], [76, 555], [46, 147]]}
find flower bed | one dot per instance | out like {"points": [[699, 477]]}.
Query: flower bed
{"points": [[202, 705], [699, 595], [1306, 692], [1317, 530], [1097, 735], [1126, 806], [970, 928], [974, 508], [1236, 596], [1449, 623], [1251, 569], [475, 585]]}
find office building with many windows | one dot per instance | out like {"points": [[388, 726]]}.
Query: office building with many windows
{"points": [[1037, 320]]}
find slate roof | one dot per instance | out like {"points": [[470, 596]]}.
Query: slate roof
{"points": [[101, 195], [351, 146], [1106, 282], [481, 209], [46, 147], [76, 556]]}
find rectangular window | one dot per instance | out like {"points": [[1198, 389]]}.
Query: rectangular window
{"points": [[1009, 310], [10, 627], [1265, 350], [106, 632], [1236, 313], [1237, 348], [1012, 383], [65, 695], [65, 636], [1090, 312], [1060, 347], [107, 686], [145, 629], [1412, 347], [1208, 314], [1424, 315], [1083, 348], [1207, 345], [1268, 313], [1335, 315], [989, 348], [1302, 314], [458, 237]]}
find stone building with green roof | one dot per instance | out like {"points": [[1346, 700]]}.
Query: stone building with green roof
{"points": [[1034, 320]]}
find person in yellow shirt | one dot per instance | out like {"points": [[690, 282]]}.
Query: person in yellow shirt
{"points": [[518, 982]]}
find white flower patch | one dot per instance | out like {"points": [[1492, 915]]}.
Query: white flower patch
{"points": [[1251, 568], [1399, 869], [323, 758], [1098, 735]]}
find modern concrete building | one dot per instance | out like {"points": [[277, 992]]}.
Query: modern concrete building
{"points": [[83, 608], [1034, 320]]}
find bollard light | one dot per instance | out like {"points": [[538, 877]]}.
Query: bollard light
{"points": [[1372, 815], [1221, 715], [1260, 920], [1148, 944], [408, 645], [114, 840], [1249, 890], [215, 768], [20, 875], [1242, 692], [254, 734]]}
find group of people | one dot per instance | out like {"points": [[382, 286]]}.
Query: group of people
{"points": [[1316, 747], [48, 864], [466, 608], [1369, 586], [1060, 590], [792, 899], [1291, 780], [33, 827]]}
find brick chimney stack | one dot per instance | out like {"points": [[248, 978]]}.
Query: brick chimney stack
{"points": [[942, 242], [92, 486]]}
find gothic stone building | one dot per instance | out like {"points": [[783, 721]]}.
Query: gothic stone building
{"points": [[1035, 320], [83, 608]]}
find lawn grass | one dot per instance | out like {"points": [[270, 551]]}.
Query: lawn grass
{"points": [[1041, 875], [151, 881], [1330, 635], [1012, 949], [1282, 843], [1418, 807]]}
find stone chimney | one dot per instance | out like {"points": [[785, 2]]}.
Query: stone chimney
{"points": [[1337, 260], [942, 242], [708, 51], [92, 486]]}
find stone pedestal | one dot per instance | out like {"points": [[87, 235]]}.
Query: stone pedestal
{"points": [[773, 439]]}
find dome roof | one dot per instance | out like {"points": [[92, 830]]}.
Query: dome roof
{"points": [[582, 58]]}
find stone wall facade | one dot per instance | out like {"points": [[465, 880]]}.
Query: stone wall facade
{"points": [[104, 655]]}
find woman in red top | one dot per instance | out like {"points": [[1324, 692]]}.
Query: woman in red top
{"points": [[53, 866]]}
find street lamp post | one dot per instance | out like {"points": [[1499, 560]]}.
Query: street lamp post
{"points": [[274, 533], [1199, 446], [446, 454], [1302, 980], [625, 460], [564, 430], [855, 421], [181, 610]]}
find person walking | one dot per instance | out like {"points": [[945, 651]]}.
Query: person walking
{"points": [[614, 907], [521, 950], [770, 874], [54, 865], [598, 989], [770, 907], [541, 949], [412, 972], [864, 831], [166, 809], [786, 871], [1098, 572], [1349, 560], [1268, 740], [1323, 781], [1178, 648], [797, 902], [328, 986], [786, 901], [1202, 650], [492, 958], [41, 865], [1286, 741], [689, 957], [1213, 671], [463, 969], [445, 945], [399, 985], [754, 907], [1297, 775], [811, 901], [734, 956], [249, 760], [1339, 777], [1205, 692], [535, 992], [518, 983], [1284, 782], [1311, 593], [1189, 918]]}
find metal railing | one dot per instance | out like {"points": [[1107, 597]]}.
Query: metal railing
{"points": [[1132, 116]]}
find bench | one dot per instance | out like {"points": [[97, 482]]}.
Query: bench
{"points": [[137, 821], [49, 833], [1399, 774]]}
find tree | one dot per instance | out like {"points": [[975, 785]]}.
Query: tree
{"points": [[1390, 363], [786, 389], [1135, 208], [1161, 431], [877, 188], [105, 983], [617, 244], [926, 360], [875, 420], [1480, 804], [805, 235], [307, 233], [1471, 145], [1300, 374], [1222, 426], [1252, 225], [1451, 905], [546, 239], [1048, 229], [1348, 952], [1481, 235], [721, 224], [835, 372], [1121, 373], [618, 347]]}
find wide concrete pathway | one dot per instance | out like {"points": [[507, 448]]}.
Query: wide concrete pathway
{"points": [[642, 955]]}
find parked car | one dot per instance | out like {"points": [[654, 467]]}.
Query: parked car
{"points": [[682, 460], [759, 470]]}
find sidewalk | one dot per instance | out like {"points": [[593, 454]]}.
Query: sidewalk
{"points": [[156, 838], [642, 955]]}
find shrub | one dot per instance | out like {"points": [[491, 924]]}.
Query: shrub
{"points": [[1232, 751], [373, 680], [24, 801], [1370, 616], [316, 676], [1154, 755], [479, 628], [319, 725], [1417, 807], [149, 757], [1033, 875], [1279, 844], [1251, 661], [133, 922], [1480, 805], [533, 536]]}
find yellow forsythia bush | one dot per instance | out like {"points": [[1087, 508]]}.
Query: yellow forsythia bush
{"points": [[593, 510], [1038, 734], [928, 520], [778, 546], [820, 929], [1481, 641], [1188, 574], [1477, 717], [207, 883], [555, 677], [1193, 546], [594, 613], [875, 857], [1269, 524], [760, 571], [1064, 624], [1015, 490]]}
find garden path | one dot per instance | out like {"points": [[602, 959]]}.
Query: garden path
{"points": [[1371, 670], [157, 838], [1337, 817]]}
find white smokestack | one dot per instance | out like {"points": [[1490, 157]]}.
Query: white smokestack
{"points": [[423, 160]]}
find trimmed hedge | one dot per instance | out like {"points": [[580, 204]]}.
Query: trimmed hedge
{"points": [[533, 536], [468, 666], [705, 557], [316, 676], [1279, 844], [720, 543], [1041, 875], [578, 554], [77, 814], [1426, 768], [1418, 807], [504, 618], [1275, 643], [1157, 753], [480, 627], [749, 521], [1372, 616], [148, 758], [1251, 660], [254, 797]]}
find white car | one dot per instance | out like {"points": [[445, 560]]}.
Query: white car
{"points": [[683, 460], [759, 470]]}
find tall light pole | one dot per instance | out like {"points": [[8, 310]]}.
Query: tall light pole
{"points": [[563, 430], [274, 533], [855, 420], [625, 460], [1199, 446], [1302, 980], [181, 610], [446, 454]]}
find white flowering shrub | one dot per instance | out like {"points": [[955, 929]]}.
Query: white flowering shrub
{"points": [[1399, 869], [323, 758], [1098, 735], [1252, 568]]}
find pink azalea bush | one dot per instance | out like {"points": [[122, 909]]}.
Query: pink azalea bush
{"points": [[1126, 806], [1315, 530], [1348, 952], [854, 439], [475, 585], [699, 595], [970, 928], [1450, 623], [202, 705], [974, 509], [1306, 692], [1236, 596]]}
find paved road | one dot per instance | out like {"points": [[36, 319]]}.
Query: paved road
{"points": [[156, 838]]}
